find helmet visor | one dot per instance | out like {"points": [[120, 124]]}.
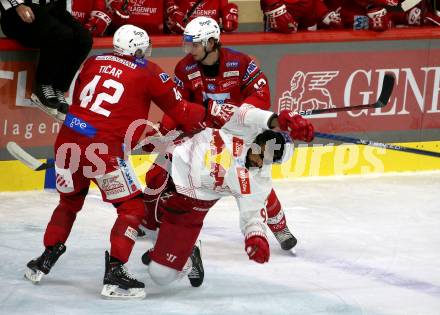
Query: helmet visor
{"points": [[189, 43]]}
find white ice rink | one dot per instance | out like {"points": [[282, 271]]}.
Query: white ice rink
{"points": [[367, 245]]}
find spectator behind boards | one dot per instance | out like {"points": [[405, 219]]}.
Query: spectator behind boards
{"points": [[63, 42]]}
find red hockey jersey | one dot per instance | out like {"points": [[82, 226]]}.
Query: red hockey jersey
{"points": [[81, 8], [238, 81], [111, 92], [146, 14], [208, 8]]}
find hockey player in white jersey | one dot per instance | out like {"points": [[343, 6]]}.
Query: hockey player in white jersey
{"points": [[234, 161]]}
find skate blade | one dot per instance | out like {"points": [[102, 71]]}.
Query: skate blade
{"points": [[114, 292], [292, 251], [33, 276], [50, 111]]}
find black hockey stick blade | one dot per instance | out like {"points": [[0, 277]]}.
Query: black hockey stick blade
{"points": [[384, 97], [387, 89], [376, 144], [20, 154]]}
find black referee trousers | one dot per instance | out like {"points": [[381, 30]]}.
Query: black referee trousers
{"points": [[63, 42]]}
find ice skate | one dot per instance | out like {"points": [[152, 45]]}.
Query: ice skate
{"points": [[197, 274], [119, 284], [41, 266], [286, 239]]}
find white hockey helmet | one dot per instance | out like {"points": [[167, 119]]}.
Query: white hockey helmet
{"points": [[130, 40], [200, 30]]}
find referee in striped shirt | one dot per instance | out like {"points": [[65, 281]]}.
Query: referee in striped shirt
{"points": [[63, 42]]}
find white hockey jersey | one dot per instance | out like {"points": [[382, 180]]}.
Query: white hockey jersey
{"points": [[211, 165]]}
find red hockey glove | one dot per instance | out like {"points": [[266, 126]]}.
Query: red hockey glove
{"points": [[257, 247], [175, 19], [119, 7], [98, 23], [218, 114], [298, 127], [378, 19], [279, 19], [230, 17], [414, 16], [333, 19]]}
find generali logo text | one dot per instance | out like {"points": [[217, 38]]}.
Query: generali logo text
{"points": [[416, 90]]}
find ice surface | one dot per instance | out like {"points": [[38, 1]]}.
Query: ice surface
{"points": [[366, 245]]}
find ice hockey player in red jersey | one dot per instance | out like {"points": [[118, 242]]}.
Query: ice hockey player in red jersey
{"points": [[425, 13], [212, 72], [288, 16], [195, 186], [180, 12], [93, 15], [102, 17], [146, 14], [112, 94]]}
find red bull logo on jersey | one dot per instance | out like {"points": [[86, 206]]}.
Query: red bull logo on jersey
{"points": [[243, 180]]}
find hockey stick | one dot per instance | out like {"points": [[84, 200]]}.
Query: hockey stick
{"points": [[376, 144], [387, 89], [27, 159], [404, 6], [191, 11], [20, 154]]}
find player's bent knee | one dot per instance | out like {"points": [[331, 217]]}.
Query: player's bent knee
{"points": [[162, 275], [133, 207]]}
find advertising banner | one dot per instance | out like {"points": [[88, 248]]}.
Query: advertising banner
{"points": [[338, 79]]}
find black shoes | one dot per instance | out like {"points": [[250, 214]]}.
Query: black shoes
{"points": [[50, 100], [197, 274], [41, 266], [285, 238], [119, 283]]}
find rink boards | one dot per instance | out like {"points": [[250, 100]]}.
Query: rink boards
{"points": [[319, 160], [305, 70]]}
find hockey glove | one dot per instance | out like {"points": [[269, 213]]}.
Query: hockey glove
{"points": [[230, 17], [119, 7], [333, 19], [278, 18], [379, 19], [218, 114], [257, 247], [165, 126], [98, 23], [298, 127], [175, 19]]}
